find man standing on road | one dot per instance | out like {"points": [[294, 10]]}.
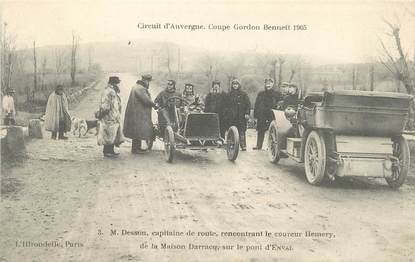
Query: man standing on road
{"points": [[109, 114], [9, 111], [265, 101], [239, 109], [214, 104], [162, 101], [57, 118], [137, 121]]}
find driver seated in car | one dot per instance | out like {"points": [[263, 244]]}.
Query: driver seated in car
{"points": [[290, 95], [166, 114]]}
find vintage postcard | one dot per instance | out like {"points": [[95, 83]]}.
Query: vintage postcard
{"points": [[181, 130]]}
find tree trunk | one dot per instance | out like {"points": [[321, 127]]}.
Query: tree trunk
{"points": [[34, 72], [372, 78]]}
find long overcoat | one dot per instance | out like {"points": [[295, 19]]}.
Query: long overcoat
{"points": [[110, 130], [236, 106], [264, 102], [137, 119], [57, 112]]}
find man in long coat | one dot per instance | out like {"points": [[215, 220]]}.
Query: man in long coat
{"points": [[265, 101], [110, 133], [137, 121], [238, 111], [165, 115], [9, 110], [57, 118], [214, 103]]}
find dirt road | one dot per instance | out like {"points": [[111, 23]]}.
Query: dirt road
{"points": [[65, 202]]}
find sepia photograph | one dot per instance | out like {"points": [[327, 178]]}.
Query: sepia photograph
{"points": [[179, 130]]}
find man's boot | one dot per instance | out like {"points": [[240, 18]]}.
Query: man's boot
{"points": [[53, 135], [111, 150], [136, 146], [242, 138], [62, 131], [259, 140]]}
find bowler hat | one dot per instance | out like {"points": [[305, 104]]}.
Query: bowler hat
{"points": [[114, 80], [188, 84]]}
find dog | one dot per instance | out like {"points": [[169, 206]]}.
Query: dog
{"points": [[83, 126]]}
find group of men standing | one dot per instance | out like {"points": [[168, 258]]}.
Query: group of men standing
{"points": [[233, 109]]}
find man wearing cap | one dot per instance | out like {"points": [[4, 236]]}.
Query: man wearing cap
{"points": [[264, 102], [137, 121], [214, 104], [57, 117], [9, 111], [110, 133], [239, 109], [166, 114]]}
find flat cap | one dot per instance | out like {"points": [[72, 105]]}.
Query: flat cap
{"points": [[146, 77]]}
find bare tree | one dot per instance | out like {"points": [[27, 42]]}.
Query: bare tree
{"points": [[90, 57], [59, 55], [34, 72], [397, 64], [354, 78], [232, 68], [372, 77], [8, 55], [168, 60], [74, 57], [281, 61], [209, 65]]}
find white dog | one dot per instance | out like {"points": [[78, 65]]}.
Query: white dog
{"points": [[79, 125], [83, 126]]}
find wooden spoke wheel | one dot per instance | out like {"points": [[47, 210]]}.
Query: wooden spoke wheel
{"points": [[400, 167], [273, 146], [315, 158], [232, 143], [169, 144]]}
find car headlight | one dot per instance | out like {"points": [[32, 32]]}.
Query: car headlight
{"points": [[292, 90]]}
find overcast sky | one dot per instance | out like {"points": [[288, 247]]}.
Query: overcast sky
{"points": [[344, 30]]}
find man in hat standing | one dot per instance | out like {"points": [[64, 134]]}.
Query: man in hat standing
{"points": [[137, 121], [239, 109], [9, 111], [110, 133], [265, 101], [166, 114], [214, 104], [57, 117]]}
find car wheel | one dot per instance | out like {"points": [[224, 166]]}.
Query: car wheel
{"points": [[400, 168], [232, 143], [273, 146], [315, 158], [169, 144]]}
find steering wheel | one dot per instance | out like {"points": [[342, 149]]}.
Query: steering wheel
{"points": [[175, 98]]}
